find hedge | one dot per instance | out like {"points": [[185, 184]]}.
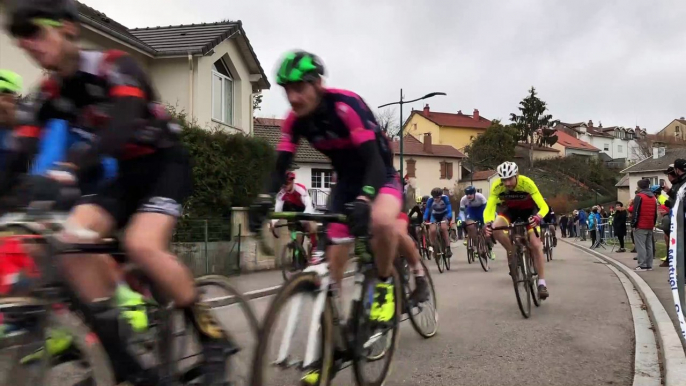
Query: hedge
{"points": [[229, 170]]}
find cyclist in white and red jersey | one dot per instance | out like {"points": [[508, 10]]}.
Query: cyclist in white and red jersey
{"points": [[294, 197]]}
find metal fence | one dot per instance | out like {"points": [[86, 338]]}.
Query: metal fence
{"points": [[206, 246]]}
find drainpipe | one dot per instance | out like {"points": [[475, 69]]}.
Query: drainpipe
{"points": [[190, 85]]}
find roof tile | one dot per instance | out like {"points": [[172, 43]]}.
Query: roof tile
{"points": [[412, 146], [270, 129], [454, 120], [567, 140]]}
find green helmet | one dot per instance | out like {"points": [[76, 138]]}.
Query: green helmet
{"points": [[299, 66], [10, 82]]}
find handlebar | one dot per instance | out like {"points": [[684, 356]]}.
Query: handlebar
{"points": [[515, 225]]}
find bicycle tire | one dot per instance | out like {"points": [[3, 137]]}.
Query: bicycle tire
{"points": [[438, 251], [85, 341], [241, 300], [413, 317], [360, 316], [291, 266], [549, 252], [482, 252], [519, 275], [299, 283], [533, 274], [470, 250], [452, 235], [446, 259]]}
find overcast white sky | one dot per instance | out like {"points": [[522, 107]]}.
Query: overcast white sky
{"points": [[616, 61]]}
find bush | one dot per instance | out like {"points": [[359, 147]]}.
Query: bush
{"points": [[228, 170], [589, 171]]}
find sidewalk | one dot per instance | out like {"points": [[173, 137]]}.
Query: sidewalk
{"points": [[657, 279]]}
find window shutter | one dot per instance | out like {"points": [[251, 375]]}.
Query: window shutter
{"points": [[411, 168], [450, 170], [443, 170]]}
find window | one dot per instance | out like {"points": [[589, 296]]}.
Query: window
{"points": [[662, 181], [653, 180], [222, 93], [479, 190], [446, 170], [677, 129], [620, 148], [411, 168], [606, 147], [321, 178]]}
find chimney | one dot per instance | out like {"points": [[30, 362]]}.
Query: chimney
{"points": [[658, 149], [426, 109], [682, 118], [590, 123], [476, 114], [459, 112], [427, 143]]}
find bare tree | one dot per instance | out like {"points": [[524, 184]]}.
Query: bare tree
{"points": [[388, 121]]}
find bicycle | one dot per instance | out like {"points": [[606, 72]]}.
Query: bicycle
{"points": [[439, 254], [294, 249], [428, 310], [547, 244], [522, 267], [331, 343], [452, 233], [419, 238], [479, 247], [51, 304]]}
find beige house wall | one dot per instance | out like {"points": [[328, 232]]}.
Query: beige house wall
{"points": [[428, 173]]}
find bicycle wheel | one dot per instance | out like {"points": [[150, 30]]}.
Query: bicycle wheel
{"points": [[520, 280], [533, 281], [293, 260], [424, 316], [424, 248], [470, 250], [439, 253], [371, 336], [85, 350], [549, 251], [301, 287], [482, 252], [446, 260]]}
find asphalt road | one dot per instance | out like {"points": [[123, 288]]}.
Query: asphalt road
{"points": [[582, 335]]}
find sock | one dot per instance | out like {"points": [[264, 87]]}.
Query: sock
{"points": [[541, 281]]}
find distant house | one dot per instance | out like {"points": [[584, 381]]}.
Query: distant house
{"points": [[454, 129], [540, 152], [482, 181], [210, 71], [571, 146], [615, 141], [653, 167], [623, 191], [674, 131], [428, 165], [312, 168]]}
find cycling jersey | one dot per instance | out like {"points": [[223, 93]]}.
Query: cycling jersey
{"points": [[522, 200], [473, 209], [344, 129], [438, 209], [296, 200], [109, 98]]}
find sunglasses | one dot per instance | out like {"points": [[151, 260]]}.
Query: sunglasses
{"points": [[28, 29]]}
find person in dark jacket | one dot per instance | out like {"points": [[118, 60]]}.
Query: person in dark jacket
{"points": [[644, 209], [563, 225], [619, 224]]}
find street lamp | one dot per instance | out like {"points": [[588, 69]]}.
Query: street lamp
{"points": [[401, 102]]}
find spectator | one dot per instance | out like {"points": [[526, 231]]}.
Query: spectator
{"points": [[593, 225], [601, 223], [678, 170], [665, 210], [563, 225], [644, 210], [575, 224], [611, 220], [582, 224], [619, 225]]}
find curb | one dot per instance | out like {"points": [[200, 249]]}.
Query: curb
{"points": [[671, 349]]}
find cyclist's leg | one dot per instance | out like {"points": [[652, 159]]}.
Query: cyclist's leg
{"points": [[471, 229], [432, 230], [553, 233], [411, 253], [446, 238], [537, 253], [502, 237], [384, 213]]}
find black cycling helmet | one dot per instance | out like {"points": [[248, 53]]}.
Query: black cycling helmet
{"points": [[23, 14], [436, 192]]}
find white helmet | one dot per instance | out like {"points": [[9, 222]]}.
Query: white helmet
{"points": [[507, 169]]}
